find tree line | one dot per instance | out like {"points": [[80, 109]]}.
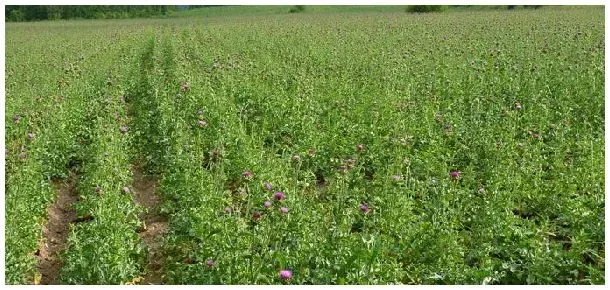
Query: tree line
{"points": [[54, 12]]}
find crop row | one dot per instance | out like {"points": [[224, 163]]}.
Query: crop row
{"points": [[46, 130], [106, 249], [60, 129]]}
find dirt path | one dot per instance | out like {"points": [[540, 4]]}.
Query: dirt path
{"points": [[61, 213], [155, 225]]}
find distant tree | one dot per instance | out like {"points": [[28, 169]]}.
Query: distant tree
{"points": [[297, 9], [52, 12], [511, 7], [425, 8], [14, 13], [532, 6]]}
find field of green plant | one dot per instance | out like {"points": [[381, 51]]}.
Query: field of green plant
{"points": [[314, 148]]}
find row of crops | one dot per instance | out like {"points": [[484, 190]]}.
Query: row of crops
{"points": [[366, 148]]}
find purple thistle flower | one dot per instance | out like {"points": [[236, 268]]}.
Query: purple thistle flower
{"points": [[203, 123], [455, 174], [364, 208], [285, 274], [267, 204], [279, 195], [209, 263], [228, 210], [268, 186], [284, 209], [247, 174], [124, 129]]}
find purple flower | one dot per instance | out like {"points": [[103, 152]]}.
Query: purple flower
{"points": [[267, 204], [284, 209], [455, 174], [247, 174], [360, 148], [209, 263], [228, 210], [364, 208], [31, 135], [126, 189], [285, 274], [279, 195], [203, 123], [124, 129], [268, 186]]}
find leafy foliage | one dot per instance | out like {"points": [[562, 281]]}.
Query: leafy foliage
{"points": [[50, 12], [425, 8], [461, 148], [297, 9]]}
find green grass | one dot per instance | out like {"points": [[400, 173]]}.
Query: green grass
{"points": [[513, 100]]}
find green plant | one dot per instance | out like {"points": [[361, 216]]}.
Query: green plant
{"points": [[467, 156], [425, 8], [297, 9]]}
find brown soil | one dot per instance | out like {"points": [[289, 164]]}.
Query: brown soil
{"points": [[155, 224], [55, 233]]}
